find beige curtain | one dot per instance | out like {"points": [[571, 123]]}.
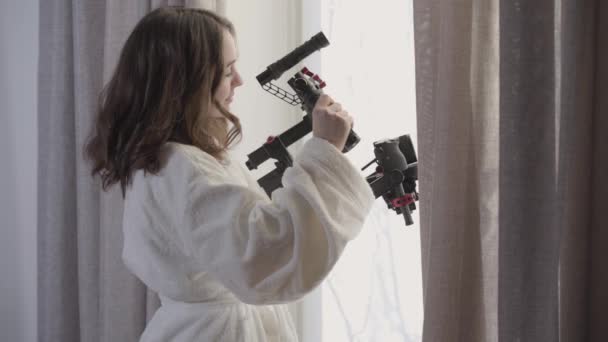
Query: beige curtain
{"points": [[512, 120], [84, 291]]}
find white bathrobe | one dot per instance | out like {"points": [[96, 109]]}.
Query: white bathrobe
{"points": [[222, 256]]}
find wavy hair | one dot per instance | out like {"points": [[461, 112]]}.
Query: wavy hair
{"points": [[161, 90]]}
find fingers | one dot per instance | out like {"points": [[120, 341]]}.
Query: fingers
{"points": [[327, 102], [335, 107], [331, 122], [345, 117], [349, 119]]}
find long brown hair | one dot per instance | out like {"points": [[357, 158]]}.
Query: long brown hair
{"points": [[161, 90]]}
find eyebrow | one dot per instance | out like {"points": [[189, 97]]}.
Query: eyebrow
{"points": [[229, 64]]}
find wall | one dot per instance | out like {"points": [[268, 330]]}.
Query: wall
{"points": [[266, 31]]}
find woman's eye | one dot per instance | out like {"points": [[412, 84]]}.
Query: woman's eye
{"points": [[228, 72]]}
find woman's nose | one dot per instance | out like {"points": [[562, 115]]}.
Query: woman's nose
{"points": [[237, 80]]}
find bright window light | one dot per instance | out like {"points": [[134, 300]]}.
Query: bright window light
{"points": [[375, 291]]}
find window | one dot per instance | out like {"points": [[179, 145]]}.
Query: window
{"points": [[375, 291]]}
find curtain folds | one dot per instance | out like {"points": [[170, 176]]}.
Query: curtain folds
{"points": [[511, 101], [84, 291]]}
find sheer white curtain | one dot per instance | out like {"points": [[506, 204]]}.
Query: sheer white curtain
{"points": [[374, 293]]}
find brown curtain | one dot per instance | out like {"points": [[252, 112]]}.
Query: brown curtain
{"points": [[513, 150], [84, 291]]}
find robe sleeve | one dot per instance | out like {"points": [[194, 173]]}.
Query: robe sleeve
{"points": [[268, 251]]}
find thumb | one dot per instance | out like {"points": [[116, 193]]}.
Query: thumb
{"points": [[324, 100]]}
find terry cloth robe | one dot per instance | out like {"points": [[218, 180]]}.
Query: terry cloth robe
{"points": [[222, 256]]}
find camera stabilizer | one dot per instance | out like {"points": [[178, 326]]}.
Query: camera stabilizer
{"points": [[397, 167]]}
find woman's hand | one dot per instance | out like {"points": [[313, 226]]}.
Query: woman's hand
{"points": [[331, 122]]}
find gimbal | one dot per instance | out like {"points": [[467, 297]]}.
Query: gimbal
{"points": [[397, 170]]}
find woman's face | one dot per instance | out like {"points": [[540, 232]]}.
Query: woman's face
{"points": [[230, 76]]}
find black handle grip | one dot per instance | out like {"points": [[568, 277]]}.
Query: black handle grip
{"points": [[352, 141]]}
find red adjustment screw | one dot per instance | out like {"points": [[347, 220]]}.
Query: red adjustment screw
{"points": [[306, 72], [403, 201], [319, 81], [270, 139]]}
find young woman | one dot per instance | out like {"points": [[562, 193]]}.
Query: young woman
{"points": [[198, 230]]}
